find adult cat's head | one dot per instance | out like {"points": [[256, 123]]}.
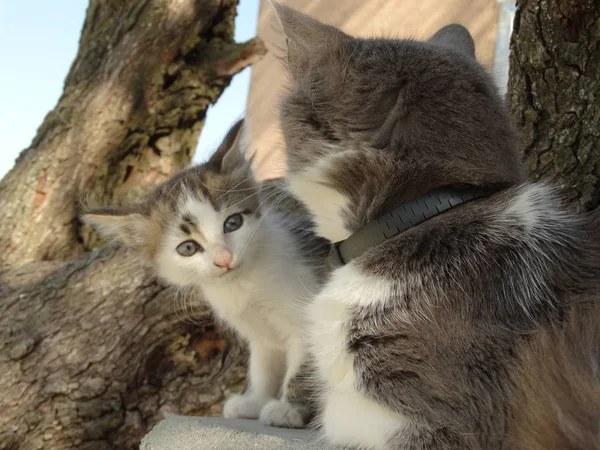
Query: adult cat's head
{"points": [[372, 123], [196, 226]]}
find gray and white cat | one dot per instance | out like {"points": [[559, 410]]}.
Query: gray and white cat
{"points": [[250, 250], [436, 336]]}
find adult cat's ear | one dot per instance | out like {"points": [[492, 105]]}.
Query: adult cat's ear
{"points": [[456, 37], [308, 40], [229, 156], [125, 224]]}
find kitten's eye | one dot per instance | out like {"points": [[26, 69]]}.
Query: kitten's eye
{"points": [[233, 222], [188, 248]]}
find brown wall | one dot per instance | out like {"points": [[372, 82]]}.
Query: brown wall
{"points": [[402, 18]]}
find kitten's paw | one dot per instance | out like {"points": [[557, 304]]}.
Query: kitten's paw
{"points": [[244, 407], [280, 413]]}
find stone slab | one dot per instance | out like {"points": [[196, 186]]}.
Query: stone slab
{"points": [[209, 433]]}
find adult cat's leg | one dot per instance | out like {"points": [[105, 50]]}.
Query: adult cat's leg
{"points": [[348, 418], [267, 368], [374, 395], [282, 412], [416, 438], [353, 421]]}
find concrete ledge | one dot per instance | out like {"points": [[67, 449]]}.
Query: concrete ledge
{"points": [[208, 433]]}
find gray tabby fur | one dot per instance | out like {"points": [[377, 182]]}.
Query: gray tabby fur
{"points": [[441, 338]]}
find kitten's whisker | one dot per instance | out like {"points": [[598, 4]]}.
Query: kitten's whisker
{"points": [[180, 296], [192, 305], [241, 201], [197, 293], [275, 194], [239, 190], [186, 303], [265, 213]]}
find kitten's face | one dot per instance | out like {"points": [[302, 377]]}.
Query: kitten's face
{"points": [[201, 225], [204, 241], [372, 123]]}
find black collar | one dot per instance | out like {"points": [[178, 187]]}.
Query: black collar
{"points": [[399, 219]]}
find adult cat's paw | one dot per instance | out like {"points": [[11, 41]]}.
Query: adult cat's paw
{"points": [[244, 407], [280, 413]]}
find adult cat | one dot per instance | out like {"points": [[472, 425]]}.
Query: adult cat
{"points": [[458, 279]]}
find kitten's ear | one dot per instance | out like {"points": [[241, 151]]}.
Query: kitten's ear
{"points": [[308, 40], [121, 223], [230, 156], [456, 37]]}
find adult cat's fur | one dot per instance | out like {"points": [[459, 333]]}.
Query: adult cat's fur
{"points": [[257, 278], [437, 338]]}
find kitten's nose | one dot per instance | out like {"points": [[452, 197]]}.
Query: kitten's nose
{"points": [[223, 259]]}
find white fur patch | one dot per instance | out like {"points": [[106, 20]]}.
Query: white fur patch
{"points": [[349, 418], [353, 420], [324, 202], [355, 288], [244, 407], [329, 315], [531, 205]]}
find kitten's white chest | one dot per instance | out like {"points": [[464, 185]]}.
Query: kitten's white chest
{"points": [[261, 308], [239, 306]]}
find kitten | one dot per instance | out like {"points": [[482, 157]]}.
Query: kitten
{"points": [[250, 252], [457, 278]]}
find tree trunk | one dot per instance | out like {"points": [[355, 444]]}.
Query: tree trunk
{"points": [[554, 93], [93, 350]]}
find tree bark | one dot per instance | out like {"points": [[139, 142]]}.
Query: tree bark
{"points": [[95, 353], [554, 93], [93, 350]]}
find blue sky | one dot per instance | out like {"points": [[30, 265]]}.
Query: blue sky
{"points": [[38, 42]]}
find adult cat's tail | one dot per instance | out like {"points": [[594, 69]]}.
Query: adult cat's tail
{"points": [[556, 405]]}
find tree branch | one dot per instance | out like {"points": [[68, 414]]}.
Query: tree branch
{"points": [[239, 56]]}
